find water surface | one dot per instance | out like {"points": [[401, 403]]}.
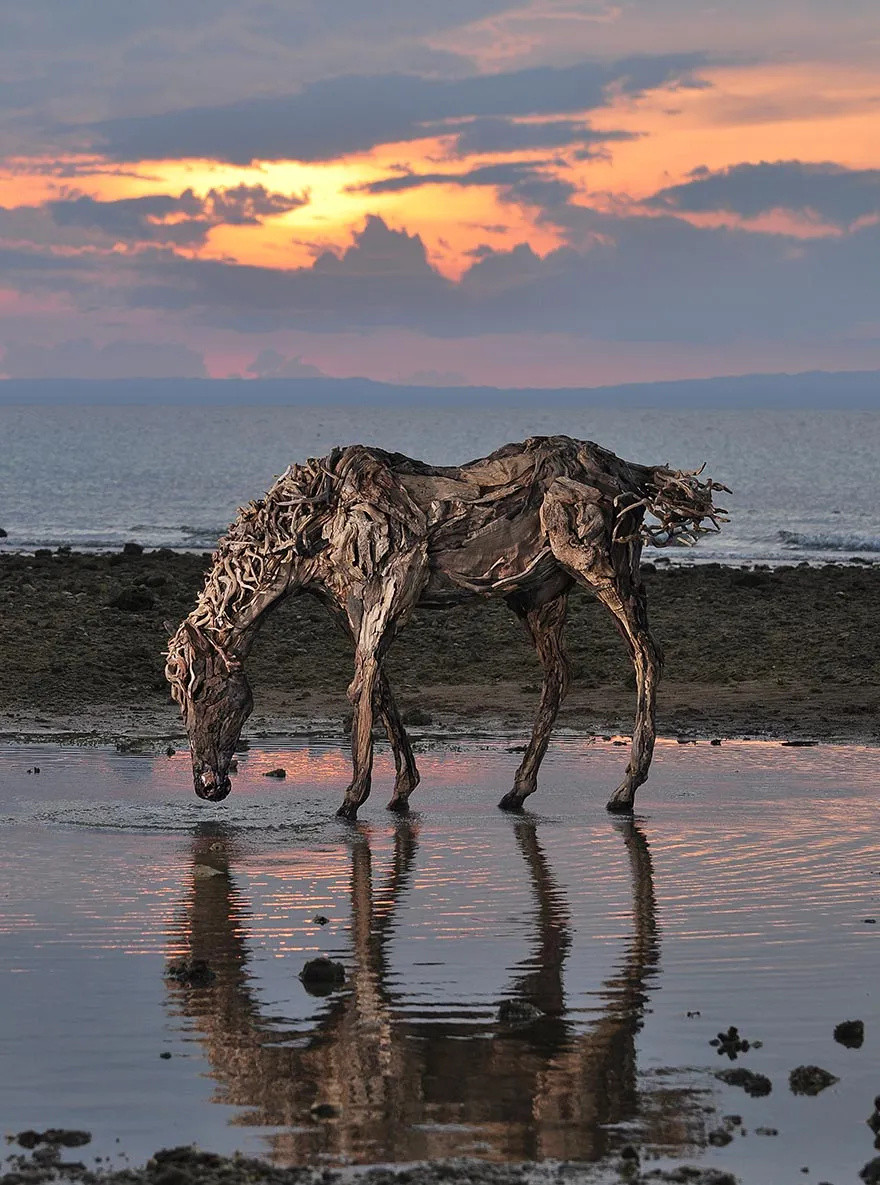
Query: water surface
{"points": [[805, 482], [535, 987]]}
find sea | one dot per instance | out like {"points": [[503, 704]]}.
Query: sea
{"points": [[806, 484]]}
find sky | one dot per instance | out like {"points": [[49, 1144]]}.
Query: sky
{"points": [[549, 193]]}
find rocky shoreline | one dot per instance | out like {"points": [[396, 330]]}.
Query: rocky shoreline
{"points": [[792, 653]]}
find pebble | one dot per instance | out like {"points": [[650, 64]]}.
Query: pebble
{"points": [[517, 1012], [850, 1033], [323, 1110], [756, 1085], [203, 872], [192, 972], [322, 972]]}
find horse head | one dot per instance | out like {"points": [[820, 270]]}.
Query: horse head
{"points": [[215, 699]]}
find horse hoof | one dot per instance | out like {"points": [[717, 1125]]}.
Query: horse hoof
{"points": [[619, 806], [400, 806], [349, 811], [511, 802]]}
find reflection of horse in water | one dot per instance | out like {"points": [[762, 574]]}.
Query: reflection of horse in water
{"points": [[402, 1087]]}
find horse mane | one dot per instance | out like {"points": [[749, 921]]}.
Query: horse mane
{"points": [[265, 536]]}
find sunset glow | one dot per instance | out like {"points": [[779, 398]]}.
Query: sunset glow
{"points": [[547, 131]]}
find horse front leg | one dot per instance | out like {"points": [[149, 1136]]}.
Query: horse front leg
{"points": [[546, 626], [407, 775], [361, 694], [629, 609], [375, 614]]}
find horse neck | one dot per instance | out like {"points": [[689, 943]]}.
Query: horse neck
{"points": [[241, 585]]}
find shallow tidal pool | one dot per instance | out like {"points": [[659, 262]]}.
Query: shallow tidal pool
{"points": [[517, 988]]}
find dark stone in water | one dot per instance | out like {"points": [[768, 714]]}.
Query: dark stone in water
{"points": [[801, 744], [870, 1174], [166, 1056], [731, 1043], [192, 972], [518, 1012], [3, 534], [766, 1131], [57, 1137], [321, 976], [275, 773], [320, 920], [756, 1085], [719, 1138], [132, 549], [810, 1080], [324, 1110], [850, 1033]]}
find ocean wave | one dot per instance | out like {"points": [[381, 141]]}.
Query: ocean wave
{"points": [[829, 541]]}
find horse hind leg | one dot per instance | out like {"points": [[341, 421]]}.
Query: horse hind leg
{"points": [[545, 625], [630, 613], [407, 774], [580, 538]]}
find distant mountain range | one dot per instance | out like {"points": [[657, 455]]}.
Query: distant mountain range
{"points": [[811, 389]]}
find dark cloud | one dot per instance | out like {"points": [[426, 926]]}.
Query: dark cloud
{"points": [[633, 278], [83, 359], [518, 182], [40, 24], [182, 221], [509, 173], [382, 273], [334, 117], [481, 136], [833, 193]]}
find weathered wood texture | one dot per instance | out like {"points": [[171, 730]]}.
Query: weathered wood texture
{"points": [[374, 534]]}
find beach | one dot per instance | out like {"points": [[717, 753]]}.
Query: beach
{"points": [[791, 653]]}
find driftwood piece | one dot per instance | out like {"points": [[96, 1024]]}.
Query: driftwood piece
{"points": [[374, 534]]}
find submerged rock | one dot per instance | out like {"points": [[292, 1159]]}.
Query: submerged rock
{"points": [[57, 1137], [323, 1111], [756, 1085], [850, 1033], [810, 1080], [321, 976], [731, 1043], [203, 872], [192, 972], [280, 772], [517, 1012]]}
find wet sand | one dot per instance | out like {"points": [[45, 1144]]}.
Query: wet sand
{"points": [[793, 652]]}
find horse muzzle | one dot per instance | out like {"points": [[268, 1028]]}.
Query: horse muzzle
{"points": [[211, 787]]}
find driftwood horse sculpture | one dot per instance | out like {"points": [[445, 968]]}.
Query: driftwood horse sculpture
{"points": [[374, 534]]}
